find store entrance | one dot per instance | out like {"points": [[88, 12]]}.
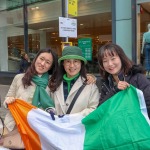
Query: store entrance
{"points": [[143, 19]]}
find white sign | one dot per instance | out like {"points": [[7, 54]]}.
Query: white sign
{"points": [[67, 27]]}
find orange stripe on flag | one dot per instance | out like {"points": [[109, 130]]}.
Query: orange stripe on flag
{"points": [[30, 138]]}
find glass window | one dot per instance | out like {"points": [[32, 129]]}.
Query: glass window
{"points": [[93, 25]]}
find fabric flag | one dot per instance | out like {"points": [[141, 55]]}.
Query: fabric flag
{"points": [[120, 123]]}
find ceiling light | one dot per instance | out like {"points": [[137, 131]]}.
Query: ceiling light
{"points": [[46, 28], [89, 1], [35, 8]]}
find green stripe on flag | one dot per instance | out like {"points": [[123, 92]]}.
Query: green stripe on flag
{"points": [[118, 124]]}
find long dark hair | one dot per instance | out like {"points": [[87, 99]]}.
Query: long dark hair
{"points": [[26, 80], [113, 49], [61, 72]]}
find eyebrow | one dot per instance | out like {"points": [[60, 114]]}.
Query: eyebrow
{"points": [[46, 59]]}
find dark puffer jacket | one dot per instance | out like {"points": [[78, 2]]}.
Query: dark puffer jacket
{"points": [[135, 77]]}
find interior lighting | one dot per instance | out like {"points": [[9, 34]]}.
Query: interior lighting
{"points": [[89, 1], [46, 28], [35, 8], [32, 8]]}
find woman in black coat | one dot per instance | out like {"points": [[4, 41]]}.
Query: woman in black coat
{"points": [[118, 72], [24, 63]]}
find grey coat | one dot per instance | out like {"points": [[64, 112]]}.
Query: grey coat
{"points": [[85, 103]]}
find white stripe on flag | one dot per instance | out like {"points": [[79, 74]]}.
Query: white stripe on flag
{"points": [[142, 105], [66, 133]]}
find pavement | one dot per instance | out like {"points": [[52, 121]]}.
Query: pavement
{"points": [[3, 91], [5, 82]]}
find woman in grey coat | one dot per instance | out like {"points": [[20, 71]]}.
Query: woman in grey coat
{"points": [[71, 76]]}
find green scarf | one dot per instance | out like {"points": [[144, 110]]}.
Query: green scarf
{"points": [[41, 98], [68, 80]]}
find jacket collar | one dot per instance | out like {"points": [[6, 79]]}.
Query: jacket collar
{"points": [[60, 94]]}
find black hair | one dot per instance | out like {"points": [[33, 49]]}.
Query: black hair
{"points": [[112, 49], [31, 70]]}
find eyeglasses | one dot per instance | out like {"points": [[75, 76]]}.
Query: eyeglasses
{"points": [[75, 62]]}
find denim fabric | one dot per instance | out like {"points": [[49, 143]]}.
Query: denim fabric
{"points": [[147, 56]]}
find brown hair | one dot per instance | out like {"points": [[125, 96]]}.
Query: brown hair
{"points": [[26, 80], [112, 49], [61, 72], [23, 55]]}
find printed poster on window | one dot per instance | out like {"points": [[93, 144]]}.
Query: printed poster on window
{"points": [[67, 27], [73, 7], [86, 45]]}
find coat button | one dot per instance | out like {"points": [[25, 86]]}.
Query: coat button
{"points": [[67, 104]]}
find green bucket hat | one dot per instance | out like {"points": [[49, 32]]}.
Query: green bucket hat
{"points": [[72, 52]]}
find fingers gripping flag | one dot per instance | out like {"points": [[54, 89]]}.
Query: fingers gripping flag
{"points": [[40, 132], [20, 110], [120, 123]]}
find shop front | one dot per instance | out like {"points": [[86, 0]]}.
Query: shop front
{"points": [[93, 22]]}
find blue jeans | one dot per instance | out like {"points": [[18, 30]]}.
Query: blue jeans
{"points": [[147, 56]]}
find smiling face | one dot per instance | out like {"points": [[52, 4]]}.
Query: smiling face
{"points": [[43, 63], [72, 67], [112, 63]]}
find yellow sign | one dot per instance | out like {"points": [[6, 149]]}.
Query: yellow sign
{"points": [[65, 44], [73, 7]]}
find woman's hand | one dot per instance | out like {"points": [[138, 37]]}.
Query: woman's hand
{"points": [[122, 85], [91, 78], [8, 100]]}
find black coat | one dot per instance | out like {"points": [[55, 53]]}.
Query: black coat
{"points": [[135, 78], [24, 64]]}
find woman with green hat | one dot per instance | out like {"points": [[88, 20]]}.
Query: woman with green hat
{"points": [[34, 86], [71, 76]]}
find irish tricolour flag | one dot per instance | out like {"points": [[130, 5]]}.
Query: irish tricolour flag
{"points": [[120, 123]]}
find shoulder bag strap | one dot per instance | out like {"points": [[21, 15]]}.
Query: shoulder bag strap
{"points": [[75, 98]]}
